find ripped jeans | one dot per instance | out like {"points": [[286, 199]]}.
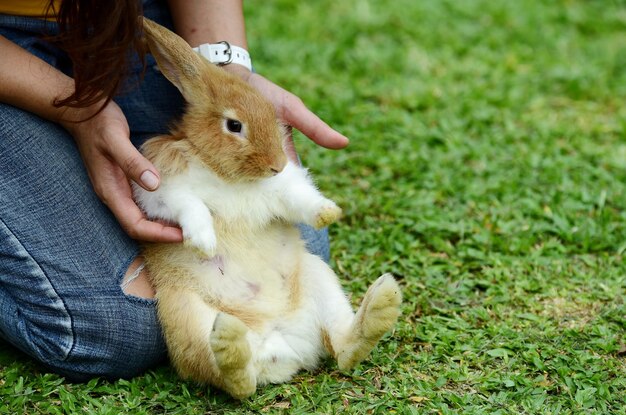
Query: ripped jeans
{"points": [[62, 253]]}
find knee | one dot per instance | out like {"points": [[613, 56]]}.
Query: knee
{"points": [[121, 344]]}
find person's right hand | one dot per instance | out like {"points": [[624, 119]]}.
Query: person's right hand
{"points": [[111, 161], [292, 112]]}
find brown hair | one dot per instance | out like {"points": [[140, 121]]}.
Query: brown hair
{"points": [[101, 38]]}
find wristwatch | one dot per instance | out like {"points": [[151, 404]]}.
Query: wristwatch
{"points": [[223, 53]]}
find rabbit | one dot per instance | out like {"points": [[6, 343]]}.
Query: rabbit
{"points": [[241, 301]]}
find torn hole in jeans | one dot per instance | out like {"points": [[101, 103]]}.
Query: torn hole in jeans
{"points": [[132, 277], [136, 283]]}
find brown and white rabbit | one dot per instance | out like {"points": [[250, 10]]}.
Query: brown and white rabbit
{"points": [[241, 301]]}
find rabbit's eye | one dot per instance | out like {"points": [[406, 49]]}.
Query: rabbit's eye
{"points": [[233, 126]]}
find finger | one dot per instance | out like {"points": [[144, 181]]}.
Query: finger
{"points": [[299, 116], [135, 224], [149, 231], [135, 166]]}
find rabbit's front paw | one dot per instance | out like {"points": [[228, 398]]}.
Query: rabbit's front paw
{"points": [[328, 213], [205, 243]]}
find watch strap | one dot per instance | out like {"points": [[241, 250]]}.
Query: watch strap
{"points": [[223, 53]]}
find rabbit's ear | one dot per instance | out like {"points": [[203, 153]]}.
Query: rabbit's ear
{"points": [[176, 60]]}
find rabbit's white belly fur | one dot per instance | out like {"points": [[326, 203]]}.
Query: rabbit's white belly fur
{"points": [[251, 270], [290, 346], [253, 274]]}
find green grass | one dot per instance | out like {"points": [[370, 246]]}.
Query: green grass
{"points": [[487, 170]]}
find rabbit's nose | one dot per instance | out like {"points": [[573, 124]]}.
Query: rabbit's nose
{"points": [[275, 170], [278, 165]]}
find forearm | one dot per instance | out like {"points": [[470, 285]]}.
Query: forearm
{"points": [[209, 21], [31, 84]]}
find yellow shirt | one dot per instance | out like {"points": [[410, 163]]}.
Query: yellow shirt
{"points": [[30, 8]]}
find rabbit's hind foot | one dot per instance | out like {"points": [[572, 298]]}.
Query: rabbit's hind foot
{"points": [[233, 356], [378, 313]]}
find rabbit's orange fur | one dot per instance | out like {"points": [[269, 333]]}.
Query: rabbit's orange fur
{"points": [[241, 302]]}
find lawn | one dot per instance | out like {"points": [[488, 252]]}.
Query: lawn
{"points": [[487, 171]]}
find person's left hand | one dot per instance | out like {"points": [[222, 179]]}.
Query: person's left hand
{"points": [[292, 112], [111, 161]]}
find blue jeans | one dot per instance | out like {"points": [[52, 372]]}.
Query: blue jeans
{"points": [[62, 253]]}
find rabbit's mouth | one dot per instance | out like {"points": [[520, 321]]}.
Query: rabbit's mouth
{"points": [[263, 168]]}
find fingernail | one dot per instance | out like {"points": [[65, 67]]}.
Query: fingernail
{"points": [[149, 180]]}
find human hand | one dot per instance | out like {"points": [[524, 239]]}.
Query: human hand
{"points": [[111, 160], [291, 111]]}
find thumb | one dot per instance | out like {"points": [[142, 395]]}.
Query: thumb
{"points": [[135, 166]]}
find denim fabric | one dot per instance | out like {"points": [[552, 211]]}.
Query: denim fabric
{"points": [[62, 253]]}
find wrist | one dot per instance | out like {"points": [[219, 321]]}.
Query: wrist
{"points": [[73, 118], [238, 70], [78, 121]]}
